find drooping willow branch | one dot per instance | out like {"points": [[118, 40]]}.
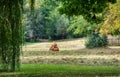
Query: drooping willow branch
{"points": [[10, 34]]}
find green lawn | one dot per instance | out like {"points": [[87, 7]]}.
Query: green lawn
{"points": [[37, 70]]}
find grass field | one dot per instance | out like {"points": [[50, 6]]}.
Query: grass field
{"points": [[71, 52], [73, 60]]}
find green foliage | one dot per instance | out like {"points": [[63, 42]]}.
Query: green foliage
{"points": [[56, 24], [57, 28], [10, 34], [91, 10], [35, 24], [62, 25], [46, 22], [78, 26], [96, 40]]}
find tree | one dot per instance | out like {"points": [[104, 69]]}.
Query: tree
{"points": [[79, 27], [35, 20], [10, 34], [91, 10], [38, 23], [62, 24], [112, 20], [58, 24]]}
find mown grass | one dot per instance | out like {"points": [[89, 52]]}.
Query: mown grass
{"points": [[29, 43], [47, 70], [71, 70]]}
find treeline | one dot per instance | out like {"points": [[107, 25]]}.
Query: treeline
{"points": [[48, 23]]}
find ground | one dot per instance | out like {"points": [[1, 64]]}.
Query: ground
{"points": [[71, 52]]}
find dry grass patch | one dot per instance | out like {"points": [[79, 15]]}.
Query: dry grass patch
{"points": [[71, 52]]}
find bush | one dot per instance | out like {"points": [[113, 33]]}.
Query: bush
{"points": [[96, 40]]}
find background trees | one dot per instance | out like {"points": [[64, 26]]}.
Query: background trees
{"points": [[93, 12], [79, 27], [57, 26], [45, 21], [48, 23]]}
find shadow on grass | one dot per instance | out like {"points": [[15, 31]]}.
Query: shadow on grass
{"points": [[36, 70]]}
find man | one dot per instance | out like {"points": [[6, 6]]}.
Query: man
{"points": [[54, 47]]}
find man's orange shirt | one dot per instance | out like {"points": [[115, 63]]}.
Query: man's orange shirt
{"points": [[54, 47]]}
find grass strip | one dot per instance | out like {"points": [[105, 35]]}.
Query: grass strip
{"points": [[47, 70]]}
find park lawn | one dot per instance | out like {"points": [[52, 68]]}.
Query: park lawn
{"points": [[72, 53], [49, 70]]}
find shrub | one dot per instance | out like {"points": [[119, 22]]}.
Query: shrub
{"points": [[96, 40]]}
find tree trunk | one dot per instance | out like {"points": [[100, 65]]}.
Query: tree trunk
{"points": [[10, 34]]}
